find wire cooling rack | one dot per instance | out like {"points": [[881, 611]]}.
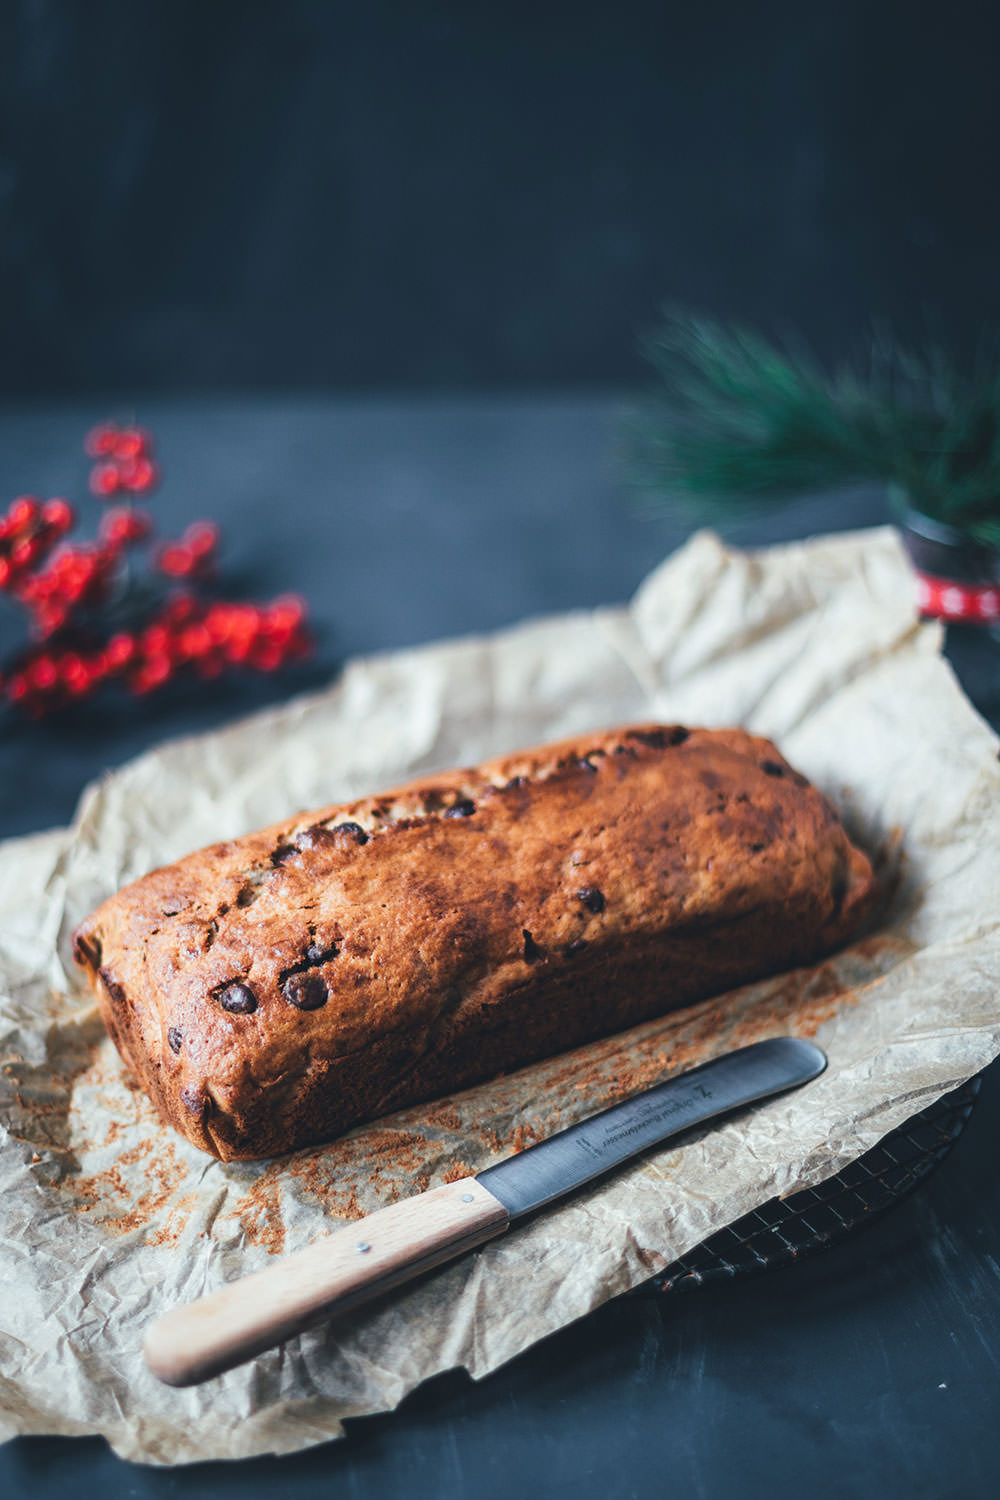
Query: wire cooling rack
{"points": [[785, 1230]]}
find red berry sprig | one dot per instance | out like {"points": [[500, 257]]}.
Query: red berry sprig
{"points": [[28, 532], [91, 625], [125, 461]]}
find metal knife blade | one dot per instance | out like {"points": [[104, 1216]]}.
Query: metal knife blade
{"points": [[573, 1157], [394, 1244]]}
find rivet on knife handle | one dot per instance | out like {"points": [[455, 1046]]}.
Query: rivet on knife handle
{"points": [[362, 1260]]}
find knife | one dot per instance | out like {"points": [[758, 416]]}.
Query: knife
{"points": [[363, 1259]]}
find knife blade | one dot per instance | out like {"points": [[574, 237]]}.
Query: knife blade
{"points": [[364, 1259]]}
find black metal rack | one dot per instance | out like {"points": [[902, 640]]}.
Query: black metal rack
{"points": [[785, 1230]]}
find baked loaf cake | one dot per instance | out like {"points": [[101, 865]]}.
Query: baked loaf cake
{"points": [[275, 990]]}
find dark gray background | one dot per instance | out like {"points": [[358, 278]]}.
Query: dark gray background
{"points": [[247, 193]]}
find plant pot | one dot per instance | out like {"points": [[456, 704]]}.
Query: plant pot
{"points": [[958, 578]]}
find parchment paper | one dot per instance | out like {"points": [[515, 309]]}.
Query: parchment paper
{"points": [[107, 1218]]}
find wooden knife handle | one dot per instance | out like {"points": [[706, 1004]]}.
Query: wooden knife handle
{"points": [[361, 1260]]}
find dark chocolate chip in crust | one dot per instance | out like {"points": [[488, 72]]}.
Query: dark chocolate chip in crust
{"points": [[87, 951], [772, 768], [305, 991], [174, 1039], [355, 830], [237, 998], [586, 765], [316, 955], [533, 954], [463, 809], [662, 739], [514, 782], [114, 989], [282, 853], [572, 949], [193, 1100], [592, 898]]}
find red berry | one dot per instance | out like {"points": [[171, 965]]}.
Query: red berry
{"points": [[200, 640], [74, 673], [119, 526], [5, 572], [104, 480], [42, 673], [100, 441], [119, 651], [202, 537], [138, 475], [288, 611], [153, 673], [176, 560], [58, 514], [23, 512], [130, 443], [180, 609]]}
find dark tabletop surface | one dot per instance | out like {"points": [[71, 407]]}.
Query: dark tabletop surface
{"points": [[869, 1369]]}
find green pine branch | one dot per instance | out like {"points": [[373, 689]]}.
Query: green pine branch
{"points": [[732, 418]]}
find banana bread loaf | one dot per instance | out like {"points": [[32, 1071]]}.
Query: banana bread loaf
{"points": [[275, 990]]}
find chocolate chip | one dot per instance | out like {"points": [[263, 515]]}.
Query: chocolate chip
{"points": [[662, 739], [87, 951], [354, 829], [193, 1100], [239, 999], [572, 949], [533, 954], [772, 768], [756, 848], [282, 853], [515, 781], [305, 991], [114, 989], [463, 809], [592, 898], [586, 765], [174, 1039], [317, 955]]}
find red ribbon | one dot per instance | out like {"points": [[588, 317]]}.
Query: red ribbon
{"points": [[944, 599]]}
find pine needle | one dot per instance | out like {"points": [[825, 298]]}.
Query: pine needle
{"points": [[733, 420]]}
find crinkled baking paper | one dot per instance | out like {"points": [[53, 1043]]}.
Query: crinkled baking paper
{"points": [[107, 1218]]}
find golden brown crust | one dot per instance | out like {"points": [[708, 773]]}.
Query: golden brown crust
{"points": [[277, 989]]}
